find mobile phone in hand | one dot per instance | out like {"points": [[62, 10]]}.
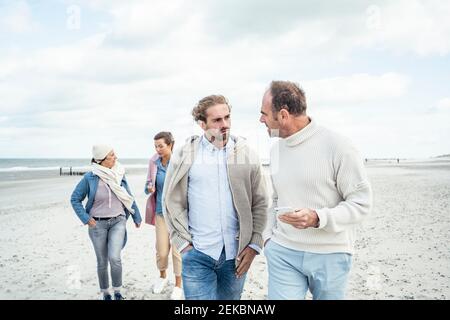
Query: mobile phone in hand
{"points": [[283, 210]]}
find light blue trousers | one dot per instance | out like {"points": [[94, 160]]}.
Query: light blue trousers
{"points": [[292, 273]]}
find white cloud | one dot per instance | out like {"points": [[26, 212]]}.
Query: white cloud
{"points": [[155, 60], [16, 17], [443, 104], [142, 22], [356, 88], [394, 134], [402, 26], [440, 107], [405, 26]]}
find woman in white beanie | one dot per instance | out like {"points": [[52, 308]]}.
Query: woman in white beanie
{"points": [[109, 205]]}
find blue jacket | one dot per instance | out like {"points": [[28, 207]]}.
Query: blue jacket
{"points": [[88, 187]]}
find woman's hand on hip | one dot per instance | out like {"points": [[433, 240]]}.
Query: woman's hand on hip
{"points": [[92, 222]]}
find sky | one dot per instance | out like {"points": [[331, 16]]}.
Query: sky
{"points": [[76, 73]]}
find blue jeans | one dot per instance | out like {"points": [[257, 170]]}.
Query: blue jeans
{"points": [[108, 238], [207, 279], [292, 273]]}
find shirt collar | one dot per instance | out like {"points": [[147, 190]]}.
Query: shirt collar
{"points": [[211, 148], [158, 162]]}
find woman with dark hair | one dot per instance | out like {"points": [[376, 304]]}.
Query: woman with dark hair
{"points": [[109, 205], [154, 215]]}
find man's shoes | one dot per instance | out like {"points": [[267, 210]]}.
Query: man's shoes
{"points": [[160, 285], [118, 296], [107, 296], [177, 293]]}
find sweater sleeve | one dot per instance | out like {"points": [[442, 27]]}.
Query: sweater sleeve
{"points": [[354, 188]]}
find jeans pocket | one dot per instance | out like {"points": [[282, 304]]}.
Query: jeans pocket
{"points": [[186, 253]]}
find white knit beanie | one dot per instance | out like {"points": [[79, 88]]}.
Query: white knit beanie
{"points": [[100, 151]]}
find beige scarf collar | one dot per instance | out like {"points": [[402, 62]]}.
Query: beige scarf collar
{"points": [[113, 178]]}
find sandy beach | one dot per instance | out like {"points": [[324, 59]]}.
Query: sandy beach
{"points": [[402, 249]]}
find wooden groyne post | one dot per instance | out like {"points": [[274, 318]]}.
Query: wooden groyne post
{"points": [[71, 172]]}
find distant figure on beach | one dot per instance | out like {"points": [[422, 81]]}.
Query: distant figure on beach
{"points": [[321, 193], [109, 205], [215, 205], [158, 164], [398, 160]]}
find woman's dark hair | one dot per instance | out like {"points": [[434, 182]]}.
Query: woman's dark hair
{"points": [[167, 136]]}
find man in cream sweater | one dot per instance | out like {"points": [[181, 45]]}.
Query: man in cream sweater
{"points": [[321, 193]]}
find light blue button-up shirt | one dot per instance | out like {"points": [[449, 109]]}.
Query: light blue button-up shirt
{"points": [[159, 185], [213, 220]]}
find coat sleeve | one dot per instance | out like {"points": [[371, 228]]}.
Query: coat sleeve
{"points": [[149, 175], [151, 172], [137, 215], [259, 204], [76, 200], [172, 224]]}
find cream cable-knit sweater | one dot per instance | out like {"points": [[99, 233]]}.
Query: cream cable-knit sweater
{"points": [[318, 169]]}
